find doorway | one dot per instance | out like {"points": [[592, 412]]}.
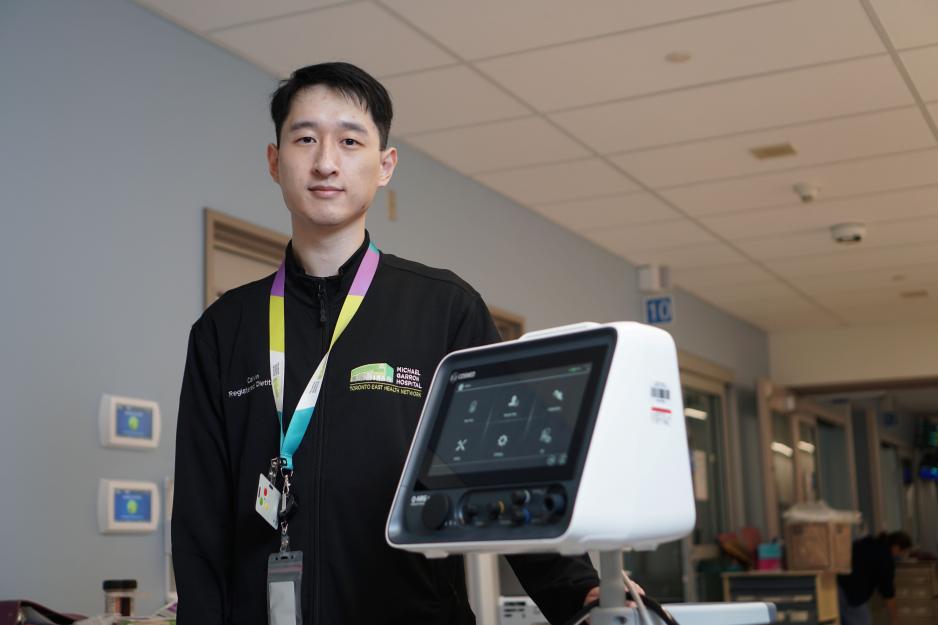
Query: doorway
{"points": [[689, 569]]}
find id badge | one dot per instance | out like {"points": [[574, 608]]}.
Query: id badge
{"points": [[267, 503], [284, 573]]}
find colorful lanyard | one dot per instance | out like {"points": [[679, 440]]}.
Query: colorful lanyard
{"points": [[303, 414]]}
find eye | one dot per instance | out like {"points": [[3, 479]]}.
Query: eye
{"points": [[350, 142], [305, 140]]}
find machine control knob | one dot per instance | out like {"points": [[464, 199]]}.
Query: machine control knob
{"points": [[495, 509], [435, 511], [519, 515], [520, 497]]}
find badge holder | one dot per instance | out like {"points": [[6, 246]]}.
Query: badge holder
{"points": [[285, 569]]}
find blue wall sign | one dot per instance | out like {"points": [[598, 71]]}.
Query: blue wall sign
{"points": [[659, 310]]}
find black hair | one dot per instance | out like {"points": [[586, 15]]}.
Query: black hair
{"points": [[349, 80], [899, 539]]}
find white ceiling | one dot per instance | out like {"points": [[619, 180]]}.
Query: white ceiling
{"points": [[572, 110]]}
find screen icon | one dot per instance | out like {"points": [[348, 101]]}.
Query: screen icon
{"points": [[546, 436]]}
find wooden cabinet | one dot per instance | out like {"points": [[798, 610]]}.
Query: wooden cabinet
{"points": [[804, 597], [917, 593]]}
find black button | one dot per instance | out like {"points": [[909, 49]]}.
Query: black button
{"points": [[520, 497], [495, 509], [435, 511], [469, 512]]}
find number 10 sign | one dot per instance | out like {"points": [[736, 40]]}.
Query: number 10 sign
{"points": [[659, 310]]}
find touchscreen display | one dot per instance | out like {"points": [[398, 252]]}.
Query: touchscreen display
{"points": [[511, 421], [131, 506], [134, 421], [523, 415]]}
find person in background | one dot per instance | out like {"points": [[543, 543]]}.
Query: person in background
{"points": [[874, 568]]}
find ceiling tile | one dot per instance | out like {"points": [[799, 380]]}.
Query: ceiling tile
{"points": [[909, 22], [728, 295], [873, 208], [702, 278], [448, 97], [791, 245], [484, 28], [660, 235], [499, 145], [777, 314], [850, 137], [696, 256], [836, 180], [846, 300], [790, 303], [795, 320], [907, 278], [819, 242], [855, 261], [767, 101], [901, 311], [923, 67], [381, 45], [618, 210], [207, 15], [740, 43], [564, 181]]}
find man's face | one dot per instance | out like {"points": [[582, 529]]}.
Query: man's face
{"points": [[330, 163]]}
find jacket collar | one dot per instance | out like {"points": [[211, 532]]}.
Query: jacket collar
{"points": [[305, 287]]}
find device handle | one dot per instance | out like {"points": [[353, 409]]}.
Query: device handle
{"points": [[567, 329]]}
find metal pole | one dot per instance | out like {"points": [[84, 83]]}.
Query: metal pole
{"points": [[611, 589]]}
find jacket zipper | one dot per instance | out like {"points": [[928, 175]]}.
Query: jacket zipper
{"points": [[320, 413]]}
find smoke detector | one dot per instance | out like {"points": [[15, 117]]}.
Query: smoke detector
{"points": [[848, 234]]}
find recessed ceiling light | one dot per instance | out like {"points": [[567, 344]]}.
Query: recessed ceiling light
{"points": [[920, 293], [694, 413], [776, 150], [678, 56]]}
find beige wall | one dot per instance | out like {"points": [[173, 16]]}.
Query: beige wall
{"points": [[854, 354]]}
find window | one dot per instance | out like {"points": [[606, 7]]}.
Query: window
{"points": [[237, 252]]}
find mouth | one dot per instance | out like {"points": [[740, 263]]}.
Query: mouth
{"points": [[325, 191]]}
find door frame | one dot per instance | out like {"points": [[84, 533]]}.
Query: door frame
{"points": [[236, 236], [775, 398], [702, 375]]}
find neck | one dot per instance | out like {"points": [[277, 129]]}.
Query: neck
{"points": [[322, 251]]}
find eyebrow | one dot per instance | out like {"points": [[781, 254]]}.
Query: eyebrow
{"points": [[311, 125]]}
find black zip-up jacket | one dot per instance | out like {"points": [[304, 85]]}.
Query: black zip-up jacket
{"points": [[873, 568], [348, 464]]}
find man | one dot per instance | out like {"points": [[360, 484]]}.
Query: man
{"points": [[873, 568], [331, 156]]}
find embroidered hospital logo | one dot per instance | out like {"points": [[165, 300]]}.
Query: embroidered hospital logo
{"points": [[381, 376]]}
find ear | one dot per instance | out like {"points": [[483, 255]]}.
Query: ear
{"points": [[388, 163], [273, 162]]}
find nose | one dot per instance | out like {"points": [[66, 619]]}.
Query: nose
{"points": [[324, 163]]}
